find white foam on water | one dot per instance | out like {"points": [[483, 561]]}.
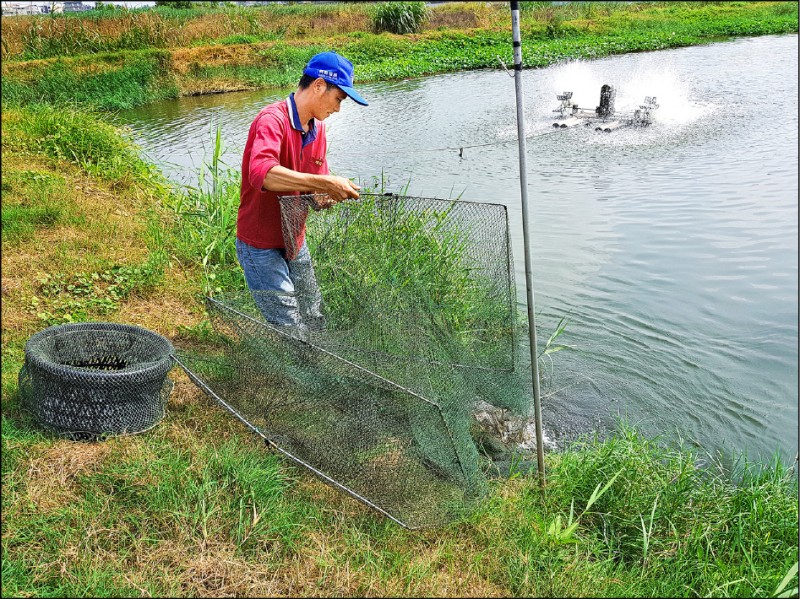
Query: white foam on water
{"points": [[676, 107], [581, 78]]}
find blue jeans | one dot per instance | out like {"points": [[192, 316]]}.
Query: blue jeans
{"points": [[285, 291]]}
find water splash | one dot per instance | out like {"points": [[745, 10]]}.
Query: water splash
{"points": [[677, 107], [581, 78]]}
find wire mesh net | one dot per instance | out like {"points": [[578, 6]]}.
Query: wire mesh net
{"points": [[90, 380], [370, 372]]}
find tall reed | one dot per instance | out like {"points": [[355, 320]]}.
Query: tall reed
{"points": [[207, 219]]}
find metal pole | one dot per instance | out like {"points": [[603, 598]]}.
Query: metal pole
{"points": [[523, 182]]}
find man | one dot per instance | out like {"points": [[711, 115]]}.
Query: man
{"points": [[286, 154]]}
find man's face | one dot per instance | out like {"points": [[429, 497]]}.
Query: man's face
{"points": [[328, 100]]}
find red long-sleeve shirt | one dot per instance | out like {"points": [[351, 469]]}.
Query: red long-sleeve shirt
{"points": [[275, 137]]}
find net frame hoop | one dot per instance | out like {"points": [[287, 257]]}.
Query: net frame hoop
{"points": [[154, 368], [208, 391], [309, 199], [358, 368]]}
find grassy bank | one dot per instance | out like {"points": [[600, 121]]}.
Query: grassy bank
{"points": [[127, 58], [198, 506]]}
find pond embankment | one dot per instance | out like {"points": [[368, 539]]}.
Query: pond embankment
{"points": [[132, 58]]}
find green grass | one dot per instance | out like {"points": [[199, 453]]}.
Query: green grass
{"points": [[667, 526], [85, 284], [120, 81], [657, 524], [410, 261], [32, 200], [147, 493], [206, 225], [72, 35], [66, 132], [399, 17]]}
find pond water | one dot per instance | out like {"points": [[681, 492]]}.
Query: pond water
{"points": [[671, 250]]}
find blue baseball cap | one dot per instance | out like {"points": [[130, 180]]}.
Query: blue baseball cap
{"points": [[335, 69]]}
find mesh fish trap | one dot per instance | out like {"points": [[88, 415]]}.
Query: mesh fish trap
{"points": [[406, 322], [91, 380]]}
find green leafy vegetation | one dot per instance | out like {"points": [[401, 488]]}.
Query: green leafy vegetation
{"points": [[206, 228], [125, 80], [621, 517], [642, 519], [399, 17], [368, 258], [125, 60], [149, 489], [77, 136], [63, 298], [75, 194]]}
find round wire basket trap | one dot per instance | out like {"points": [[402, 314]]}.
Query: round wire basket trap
{"points": [[96, 379]]}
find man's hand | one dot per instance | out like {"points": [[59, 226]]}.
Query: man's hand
{"points": [[280, 178], [340, 188]]}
